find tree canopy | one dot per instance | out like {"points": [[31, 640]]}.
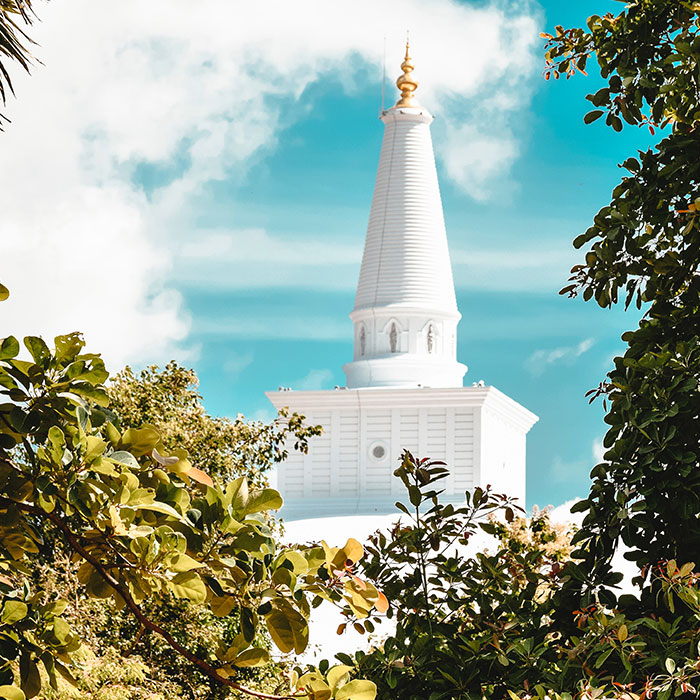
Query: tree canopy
{"points": [[144, 525]]}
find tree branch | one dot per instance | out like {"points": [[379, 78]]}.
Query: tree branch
{"points": [[123, 591]]}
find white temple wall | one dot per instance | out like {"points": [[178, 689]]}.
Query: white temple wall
{"points": [[503, 455], [354, 460]]}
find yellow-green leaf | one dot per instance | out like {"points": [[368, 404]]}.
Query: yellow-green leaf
{"points": [[95, 447], [188, 585], [158, 508], [236, 494], [11, 692], [687, 568], [9, 347], [221, 606], [184, 562], [30, 678], [298, 561], [314, 686], [4, 292], [252, 657], [338, 675], [288, 629], [13, 611], [357, 690], [263, 500], [140, 441], [353, 550]]}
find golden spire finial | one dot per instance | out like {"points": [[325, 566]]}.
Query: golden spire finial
{"points": [[406, 82]]}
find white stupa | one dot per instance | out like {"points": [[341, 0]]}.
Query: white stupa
{"points": [[404, 385]]}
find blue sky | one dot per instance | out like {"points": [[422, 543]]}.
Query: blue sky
{"points": [[509, 337], [233, 242]]}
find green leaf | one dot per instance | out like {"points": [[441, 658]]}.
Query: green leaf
{"points": [[95, 447], [125, 458], [221, 606], [190, 586], [11, 692], [592, 116], [38, 348], [9, 348], [580, 506], [140, 441], [248, 624], [13, 611], [157, 508], [236, 494], [252, 657], [68, 346], [288, 629], [263, 500], [337, 676], [30, 677], [357, 690], [184, 562]]}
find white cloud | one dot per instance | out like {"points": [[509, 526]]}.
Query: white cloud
{"points": [[274, 326], [563, 514], [262, 259], [540, 360], [198, 95], [474, 158], [315, 380], [88, 266], [254, 259], [512, 269], [598, 450]]}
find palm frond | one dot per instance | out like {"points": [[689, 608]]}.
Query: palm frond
{"points": [[15, 43]]}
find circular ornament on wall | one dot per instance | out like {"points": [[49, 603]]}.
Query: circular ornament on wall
{"points": [[378, 451]]}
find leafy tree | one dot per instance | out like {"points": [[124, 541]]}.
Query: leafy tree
{"points": [[460, 617], [168, 399], [644, 248], [475, 626], [144, 525]]}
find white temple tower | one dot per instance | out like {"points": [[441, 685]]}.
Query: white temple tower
{"points": [[404, 385]]}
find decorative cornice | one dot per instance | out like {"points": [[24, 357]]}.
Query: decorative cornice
{"points": [[381, 397]]}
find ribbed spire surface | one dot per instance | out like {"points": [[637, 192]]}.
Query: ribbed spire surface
{"points": [[405, 316], [406, 259]]}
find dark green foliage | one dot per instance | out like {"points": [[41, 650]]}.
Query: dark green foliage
{"points": [[483, 625], [644, 248]]}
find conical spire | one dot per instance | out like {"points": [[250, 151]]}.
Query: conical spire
{"points": [[405, 313], [406, 82]]}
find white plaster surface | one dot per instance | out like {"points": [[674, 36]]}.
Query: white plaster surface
{"points": [[405, 287], [478, 431], [404, 385]]}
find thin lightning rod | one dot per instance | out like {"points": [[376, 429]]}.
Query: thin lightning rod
{"points": [[384, 77]]}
